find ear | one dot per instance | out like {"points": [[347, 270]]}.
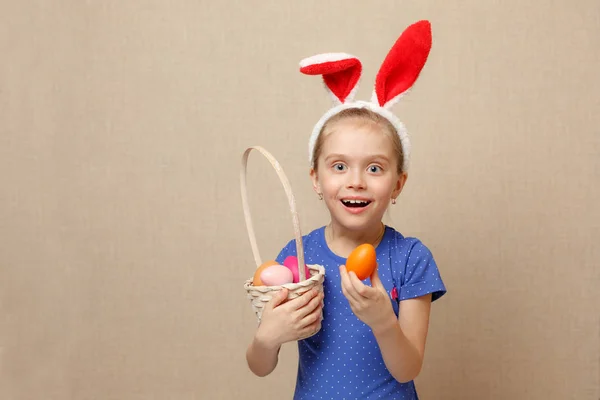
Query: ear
{"points": [[399, 185], [403, 64], [315, 180], [341, 73]]}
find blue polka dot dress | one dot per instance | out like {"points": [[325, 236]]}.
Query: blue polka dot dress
{"points": [[343, 360]]}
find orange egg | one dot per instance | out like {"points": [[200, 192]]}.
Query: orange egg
{"points": [[362, 260], [256, 279]]}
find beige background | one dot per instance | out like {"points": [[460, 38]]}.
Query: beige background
{"points": [[122, 244]]}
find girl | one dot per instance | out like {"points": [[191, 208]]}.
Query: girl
{"points": [[371, 342]]}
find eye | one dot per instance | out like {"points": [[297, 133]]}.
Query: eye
{"points": [[374, 169], [339, 167]]}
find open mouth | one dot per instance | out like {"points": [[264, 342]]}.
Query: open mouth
{"points": [[356, 203]]}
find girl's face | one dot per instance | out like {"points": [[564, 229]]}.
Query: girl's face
{"points": [[357, 174]]}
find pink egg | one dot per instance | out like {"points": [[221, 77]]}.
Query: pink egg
{"points": [[292, 263], [276, 275]]}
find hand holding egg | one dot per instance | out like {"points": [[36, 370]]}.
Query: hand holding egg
{"points": [[371, 304]]}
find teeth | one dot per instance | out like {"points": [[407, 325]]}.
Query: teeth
{"points": [[355, 201]]}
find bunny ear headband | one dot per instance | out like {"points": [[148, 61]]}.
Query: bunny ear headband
{"points": [[399, 71]]}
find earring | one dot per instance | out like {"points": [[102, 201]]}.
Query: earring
{"points": [[393, 201], [320, 196]]}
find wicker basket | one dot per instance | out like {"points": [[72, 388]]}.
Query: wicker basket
{"points": [[261, 295]]}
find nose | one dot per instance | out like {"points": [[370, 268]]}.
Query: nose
{"points": [[356, 180]]}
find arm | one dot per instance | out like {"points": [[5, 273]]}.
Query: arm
{"points": [[283, 321], [402, 341], [262, 358]]}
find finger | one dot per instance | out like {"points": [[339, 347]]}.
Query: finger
{"points": [[362, 291], [310, 329], [302, 300], [347, 288], [278, 298], [375, 281], [310, 307], [311, 318]]}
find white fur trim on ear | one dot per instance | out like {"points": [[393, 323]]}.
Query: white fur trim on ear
{"points": [[390, 103], [323, 58], [396, 123], [349, 98]]}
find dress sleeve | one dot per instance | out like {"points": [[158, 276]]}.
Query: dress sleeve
{"points": [[421, 275]]}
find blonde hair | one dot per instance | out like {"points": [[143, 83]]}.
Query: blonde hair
{"points": [[361, 116]]}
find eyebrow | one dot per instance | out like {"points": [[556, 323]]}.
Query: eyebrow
{"points": [[373, 156], [334, 156]]}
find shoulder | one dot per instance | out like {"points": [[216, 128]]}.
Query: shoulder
{"points": [[408, 246]]}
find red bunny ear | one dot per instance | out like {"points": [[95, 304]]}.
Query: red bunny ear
{"points": [[341, 73], [404, 63]]}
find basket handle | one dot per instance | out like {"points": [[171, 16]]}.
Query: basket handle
{"points": [[291, 200]]}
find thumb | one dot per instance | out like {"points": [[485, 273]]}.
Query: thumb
{"points": [[375, 281], [278, 298]]}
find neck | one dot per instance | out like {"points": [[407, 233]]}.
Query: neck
{"points": [[342, 241]]}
